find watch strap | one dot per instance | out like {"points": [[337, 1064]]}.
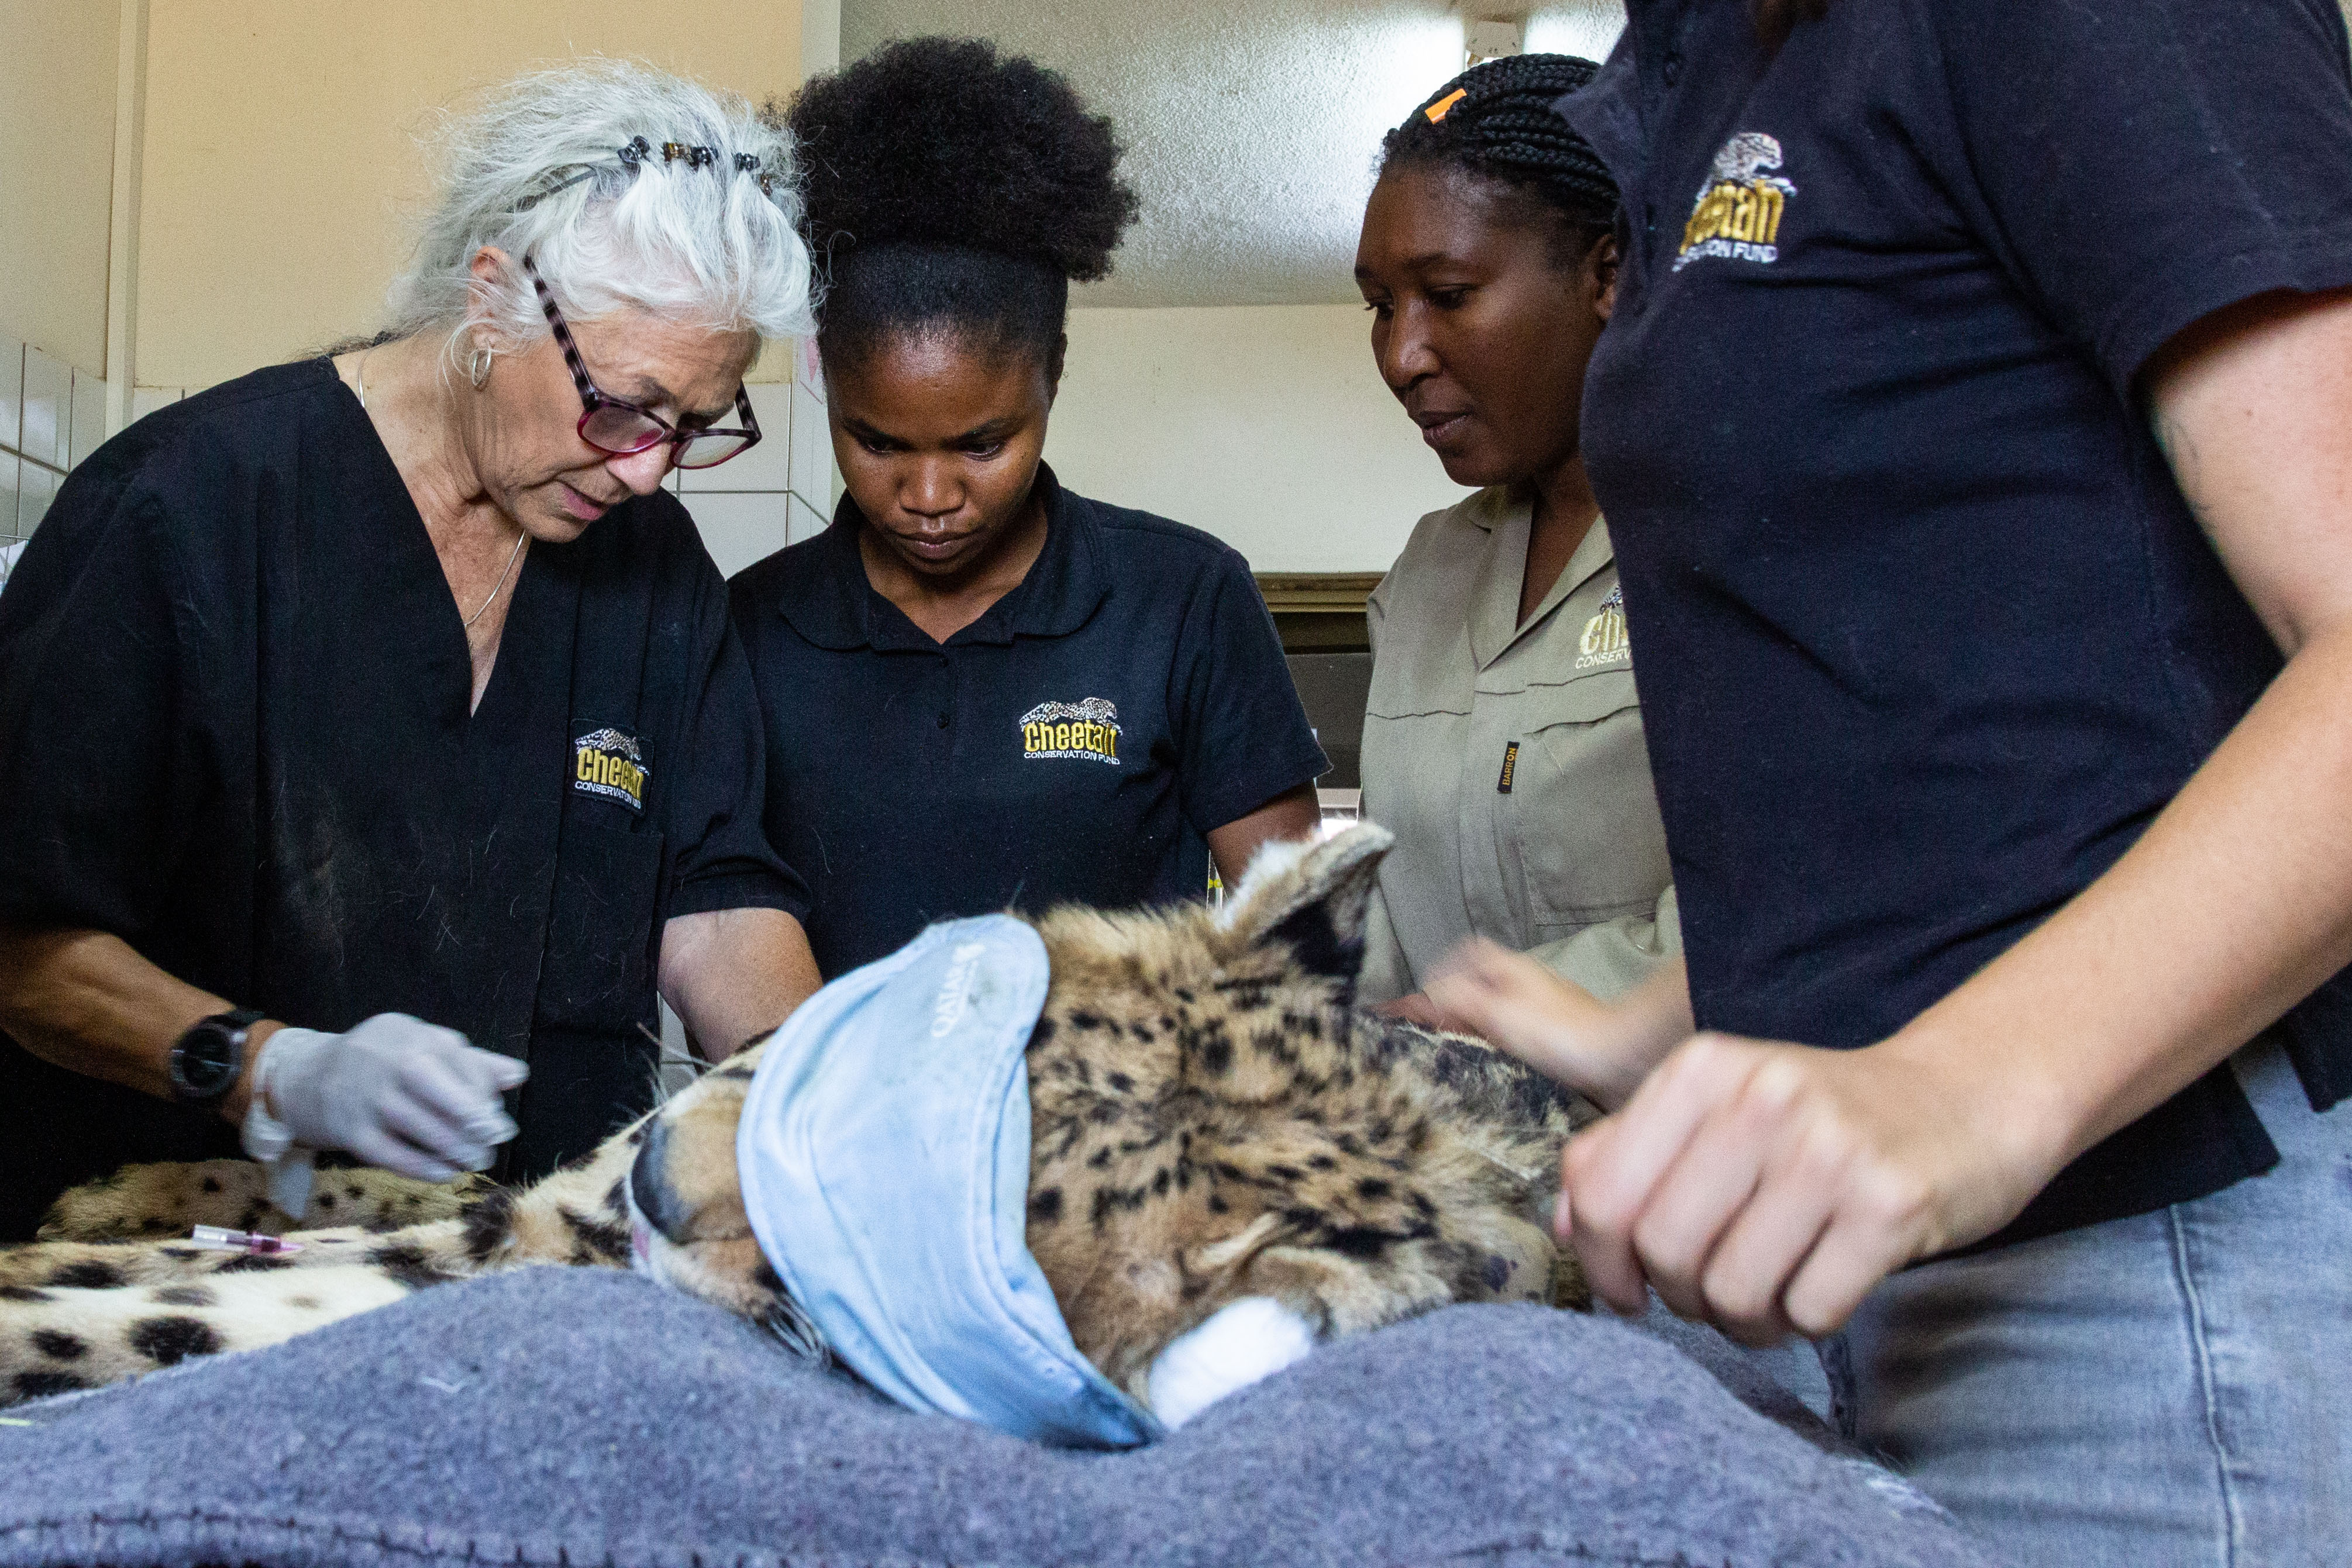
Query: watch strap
{"points": [[231, 1026]]}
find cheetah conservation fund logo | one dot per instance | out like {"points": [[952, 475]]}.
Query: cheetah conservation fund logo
{"points": [[1604, 641], [611, 765], [1086, 731], [1738, 214]]}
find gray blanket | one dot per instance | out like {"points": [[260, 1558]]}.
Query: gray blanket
{"points": [[578, 1416]]}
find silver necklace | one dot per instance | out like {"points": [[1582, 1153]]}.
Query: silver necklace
{"points": [[521, 540], [359, 376]]}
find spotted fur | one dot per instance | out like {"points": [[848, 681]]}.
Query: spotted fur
{"points": [[1212, 1119], [156, 1202]]}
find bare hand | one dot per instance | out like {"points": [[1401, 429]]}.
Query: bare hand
{"points": [[1556, 1027], [1766, 1188], [1419, 1010]]}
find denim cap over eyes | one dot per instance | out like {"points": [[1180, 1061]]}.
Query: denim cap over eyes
{"points": [[884, 1153]]}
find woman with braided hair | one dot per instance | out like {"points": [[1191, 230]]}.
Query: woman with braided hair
{"points": [[1975, 418], [978, 688], [1503, 736]]}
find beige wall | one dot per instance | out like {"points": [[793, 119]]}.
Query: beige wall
{"points": [[1263, 424], [281, 152], [57, 123]]}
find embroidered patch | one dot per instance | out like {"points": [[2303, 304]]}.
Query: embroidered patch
{"points": [[1738, 214], [611, 765], [1510, 767], [1086, 730], [1604, 641]]}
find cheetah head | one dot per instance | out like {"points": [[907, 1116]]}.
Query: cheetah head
{"points": [[1141, 1004]]}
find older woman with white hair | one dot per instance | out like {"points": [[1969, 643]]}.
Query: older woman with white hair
{"points": [[371, 734]]}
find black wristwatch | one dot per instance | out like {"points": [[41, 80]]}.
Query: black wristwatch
{"points": [[209, 1058]]}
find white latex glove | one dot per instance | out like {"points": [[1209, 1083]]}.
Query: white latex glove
{"points": [[395, 1092]]}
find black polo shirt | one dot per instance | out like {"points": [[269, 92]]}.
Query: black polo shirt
{"points": [[1927, 633], [234, 732], [1129, 696]]}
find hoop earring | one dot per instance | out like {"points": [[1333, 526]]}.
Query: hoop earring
{"points": [[478, 366]]}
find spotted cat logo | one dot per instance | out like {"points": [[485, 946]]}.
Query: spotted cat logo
{"points": [[1737, 216], [1604, 641], [1088, 731], [610, 766]]}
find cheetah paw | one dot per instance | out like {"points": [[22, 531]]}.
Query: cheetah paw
{"points": [[1241, 1342]]}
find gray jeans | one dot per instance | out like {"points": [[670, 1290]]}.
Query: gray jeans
{"points": [[2166, 1390]]}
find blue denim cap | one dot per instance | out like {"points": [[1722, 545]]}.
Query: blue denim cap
{"points": [[884, 1153]]}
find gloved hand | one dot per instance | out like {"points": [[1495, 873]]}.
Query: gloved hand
{"points": [[395, 1092]]}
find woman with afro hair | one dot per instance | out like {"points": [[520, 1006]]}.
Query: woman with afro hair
{"points": [[980, 689]]}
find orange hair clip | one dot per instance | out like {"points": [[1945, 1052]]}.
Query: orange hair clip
{"points": [[1436, 112]]}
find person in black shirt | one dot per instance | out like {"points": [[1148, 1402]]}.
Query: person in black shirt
{"points": [[1975, 425], [371, 727], [980, 689]]}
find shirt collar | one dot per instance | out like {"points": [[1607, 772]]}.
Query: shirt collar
{"points": [[833, 606], [1507, 514]]}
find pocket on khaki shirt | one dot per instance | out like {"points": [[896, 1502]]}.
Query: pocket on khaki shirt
{"points": [[1583, 808]]}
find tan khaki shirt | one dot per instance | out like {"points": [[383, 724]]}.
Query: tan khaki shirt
{"points": [[1568, 863]]}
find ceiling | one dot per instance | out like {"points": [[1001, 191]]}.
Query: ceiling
{"points": [[1250, 125]]}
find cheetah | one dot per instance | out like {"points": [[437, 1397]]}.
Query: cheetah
{"points": [[1215, 1125]]}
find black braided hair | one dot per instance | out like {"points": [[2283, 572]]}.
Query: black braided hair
{"points": [[1495, 120], [945, 186]]}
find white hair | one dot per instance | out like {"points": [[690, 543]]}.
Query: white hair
{"points": [[569, 167]]}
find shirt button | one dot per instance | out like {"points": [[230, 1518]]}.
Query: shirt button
{"points": [[1672, 69], [943, 721]]}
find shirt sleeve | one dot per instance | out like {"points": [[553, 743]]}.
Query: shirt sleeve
{"points": [[1245, 738], [722, 858], [2143, 163], [101, 769]]}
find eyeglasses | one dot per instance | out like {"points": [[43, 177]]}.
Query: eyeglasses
{"points": [[620, 428]]}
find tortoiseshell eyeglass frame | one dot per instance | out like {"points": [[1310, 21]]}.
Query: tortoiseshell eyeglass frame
{"points": [[594, 400]]}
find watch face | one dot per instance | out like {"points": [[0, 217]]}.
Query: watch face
{"points": [[205, 1062]]}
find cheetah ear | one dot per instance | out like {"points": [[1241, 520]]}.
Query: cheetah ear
{"points": [[1314, 896]]}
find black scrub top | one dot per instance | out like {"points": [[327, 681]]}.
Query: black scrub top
{"points": [[1129, 696], [1929, 635], [234, 732]]}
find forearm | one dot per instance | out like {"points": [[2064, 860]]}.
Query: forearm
{"points": [[87, 1001], [734, 974], [1635, 1032], [1294, 814], [2234, 905]]}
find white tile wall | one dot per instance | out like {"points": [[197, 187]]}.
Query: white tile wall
{"points": [[145, 401], [12, 390], [805, 522], [89, 416], [36, 487], [48, 409], [779, 493], [37, 412], [740, 526], [812, 457]]}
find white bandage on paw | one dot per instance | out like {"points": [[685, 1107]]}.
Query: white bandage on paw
{"points": [[1243, 1341]]}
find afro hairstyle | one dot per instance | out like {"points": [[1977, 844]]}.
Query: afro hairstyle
{"points": [[948, 186]]}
